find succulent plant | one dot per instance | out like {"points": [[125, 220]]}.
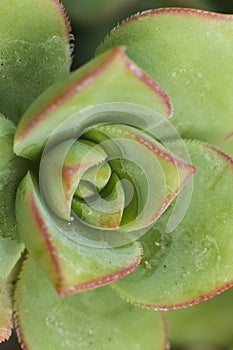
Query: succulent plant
{"points": [[124, 190]]}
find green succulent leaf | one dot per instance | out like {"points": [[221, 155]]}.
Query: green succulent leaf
{"points": [[45, 223], [82, 158], [70, 266], [10, 253], [96, 319], [124, 147], [91, 85], [189, 53], [6, 307], [111, 77], [7, 286], [194, 262], [34, 51], [12, 169], [99, 215], [208, 323], [5, 312], [144, 160]]}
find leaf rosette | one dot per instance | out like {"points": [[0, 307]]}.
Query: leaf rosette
{"points": [[104, 178], [114, 194], [105, 174]]}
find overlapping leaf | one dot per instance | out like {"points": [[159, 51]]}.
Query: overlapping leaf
{"points": [[194, 262], [34, 52], [6, 309], [112, 77], [70, 266], [189, 53], [12, 169], [109, 78], [96, 319]]}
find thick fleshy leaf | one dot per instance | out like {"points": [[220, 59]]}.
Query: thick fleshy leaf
{"points": [[97, 176], [10, 253], [99, 215], [208, 323], [96, 319], [112, 77], [34, 51], [6, 303], [69, 265], [6, 309], [155, 173], [189, 53], [194, 262], [62, 185], [12, 170]]}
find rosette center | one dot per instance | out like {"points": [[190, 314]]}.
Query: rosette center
{"points": [[105, 177]]}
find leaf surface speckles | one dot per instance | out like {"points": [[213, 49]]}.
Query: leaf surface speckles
{"points": [[189, 53], [194, 262], [96, 319]]}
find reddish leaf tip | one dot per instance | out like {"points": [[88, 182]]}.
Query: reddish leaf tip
{"points": [[77, 85], [59, 281], [100, 281], [65, 17], [132, 67]]}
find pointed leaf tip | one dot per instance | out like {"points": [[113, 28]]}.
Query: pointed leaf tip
{"points": [[192, 263], [111, 77], [70, 266]]}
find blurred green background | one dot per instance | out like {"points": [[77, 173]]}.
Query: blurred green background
{"points": [[91, 20]]}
